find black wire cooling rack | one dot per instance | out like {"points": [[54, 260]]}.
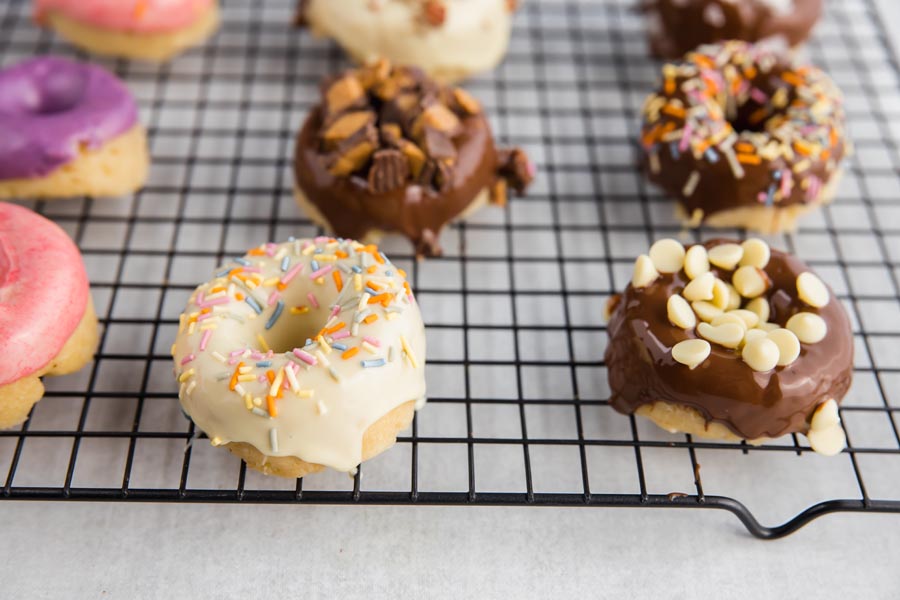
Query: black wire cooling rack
{"points": [[518, 411]]}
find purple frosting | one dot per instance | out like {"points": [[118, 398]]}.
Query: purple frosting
{"points": [[50, 107]]}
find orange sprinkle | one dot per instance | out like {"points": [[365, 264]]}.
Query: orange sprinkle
{"points": [[270, 404], [341, 254], [350, 353], [675, 111], [281, 286], [256, 252], [744, 147], [238, 296], [370, 319], [335, 328], [791, 78], [402, 273], [270, 375], [802, 148], [234, 376], [749, 159], [703, 61], [750, 71], [216, 290], [374, 286], [338, 280], [669, 86], [371, 269], [205, 311], [758, 115]]}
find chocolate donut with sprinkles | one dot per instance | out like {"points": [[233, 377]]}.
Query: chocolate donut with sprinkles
{"points": [[302, 355], [730, 340], [742, 138]]}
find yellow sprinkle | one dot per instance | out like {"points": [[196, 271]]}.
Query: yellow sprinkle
{"points": [[292, 380], [320, 280], [186, 375], [369, 348], [172, 351], [248, 401], [181, 320], [245, 369], [247, 377], [272, 282], [321, 356], [192, 327], [357, 282], [326, 258], [309, 250], [323, 344], [409, 354], [299, 310], [262, 342], [257, 401], [306, 393], [276, 383]]}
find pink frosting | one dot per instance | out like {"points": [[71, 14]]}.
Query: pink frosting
{"points": [[141, 16], [43, 291]]}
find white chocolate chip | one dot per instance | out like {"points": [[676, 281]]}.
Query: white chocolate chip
{"points": [[691, 352], [826, 415], [761, 354], [696, 261], [760, 307], [734, 298], [753, 334], [750, 318], [667, 255], [788, 345], [767, 326], [644, 272], [728, 335], [811, 290], [705, 310], [700, 288], [756, 253], [750, 282], [726, 256], [721, 295], [728, 318], [828, 442], [809, 327], [680, 313]]}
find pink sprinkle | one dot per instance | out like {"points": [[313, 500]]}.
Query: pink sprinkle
{"points": [[274, 297], [234, 353], [374, 341], [813, 189], [758, 95], [187, 359], [252, 270], [682, 146], [312, 300], [262, 379], [270, 249], [341, 335], [205, 317], [257, 355], [232, 361], [762, 197], [205, 339], [306, 245], [335, 311], [199, 299], [321, 239], [292, 273], [214, 302], [305, 356], [323, 271], [786, 183]]}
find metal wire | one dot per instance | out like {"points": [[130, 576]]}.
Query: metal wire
{"points": [[513, 307]]}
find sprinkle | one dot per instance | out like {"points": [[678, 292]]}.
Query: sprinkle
{"points": [[240, 390], [273, 439], [338, 281], [362, 315], [276, 383], [217, 356], [254, 304], [278, 309], [374, 341], [373, 362], [409, 354], [243, 261], [335, 328], [363, 301], [334, 374], [390, 354], [305, 356], [321, 272], [322, 359], [339, 336], [204, 339], [234, 376], [286, 279], [187, 359], [270, 406], [350, 353], [299, 310], [258, 411], [357, 282], [312, 300], [691, 184], [370, 319], [369, 348], [338, 346], [262, 342]]}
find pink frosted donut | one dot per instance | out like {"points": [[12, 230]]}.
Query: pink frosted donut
{"points": [[47, 321], [144, 29]]}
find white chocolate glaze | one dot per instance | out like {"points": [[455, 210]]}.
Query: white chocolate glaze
{"points": [[472, 38], [277, 313]]}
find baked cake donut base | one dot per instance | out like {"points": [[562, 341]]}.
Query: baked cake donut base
{"points": [[117, 168], [17, 398], [762, 219], [156, 47], [380, 436], [676, 418], [373, 236]]}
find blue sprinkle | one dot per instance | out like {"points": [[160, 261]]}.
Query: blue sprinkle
{"points": [[371, 291], [319, 251], [374, 362], [242, 261], [770, 197], [357, 269], [673, 149], [711, 155], [254, 304], [291, 238], [285, 263], [278, 308], [339, 346], [315, 265], [387, 261], [223, 273], [308, 342], [264, 363]]}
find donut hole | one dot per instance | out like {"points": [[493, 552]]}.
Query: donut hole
{"points": [[754, 112], [293, 330], [59, 90]]}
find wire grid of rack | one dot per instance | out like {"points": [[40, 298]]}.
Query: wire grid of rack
{"points": [[518, 411]]}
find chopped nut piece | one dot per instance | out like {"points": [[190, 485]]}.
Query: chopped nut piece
{"points": [[466, 101], [415, 156], [343, 93], [389, 171], [374, 73], [352, 159], [438, 117], [667, 255], [391, 134], [499, 192], [346, 126]]}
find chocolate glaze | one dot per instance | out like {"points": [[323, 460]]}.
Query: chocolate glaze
{"points": [[723, 388], [419, 212], [685, 24]]}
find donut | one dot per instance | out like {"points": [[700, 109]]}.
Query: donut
{"points": [[47, 320], [449, 39], [69, 129], [302, 355], [388, 149], [152, 30], [730, 340], [678, 26], [741, 137]]}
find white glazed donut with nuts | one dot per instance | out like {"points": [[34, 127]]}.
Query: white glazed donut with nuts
{"points": [[449, 39], [730, 340]]}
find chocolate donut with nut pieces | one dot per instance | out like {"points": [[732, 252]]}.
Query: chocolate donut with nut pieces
{"points": [[742, 137], [728, 340], [679, 26], [389, 149]]}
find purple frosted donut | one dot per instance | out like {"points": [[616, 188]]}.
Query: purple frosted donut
{"points": [[69, 128]]}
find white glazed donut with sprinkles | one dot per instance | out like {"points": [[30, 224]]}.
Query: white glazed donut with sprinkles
{"points": [[302, 355]]}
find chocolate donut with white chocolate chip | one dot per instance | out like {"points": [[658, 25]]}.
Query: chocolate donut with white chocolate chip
{"points": [[730, 340], [389, 149]]}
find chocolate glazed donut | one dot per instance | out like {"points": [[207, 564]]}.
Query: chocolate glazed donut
{"points": [[678, 26], [722, 387], [391, 150]]}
